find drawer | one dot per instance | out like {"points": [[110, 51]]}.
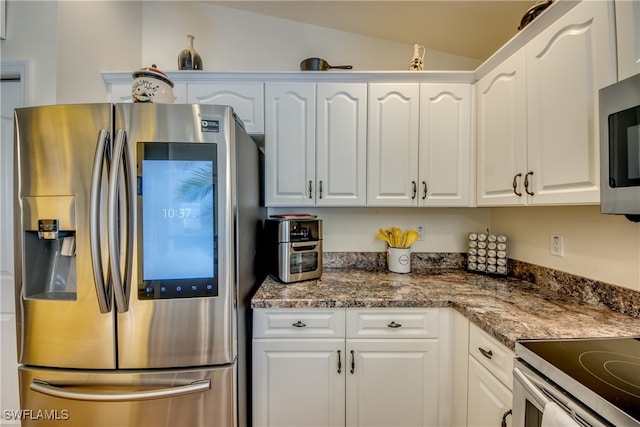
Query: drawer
{"points": [[392, 323], [298, 323], [491, 354]]}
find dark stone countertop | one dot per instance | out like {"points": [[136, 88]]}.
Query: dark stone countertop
{"points": [[506, 308]]}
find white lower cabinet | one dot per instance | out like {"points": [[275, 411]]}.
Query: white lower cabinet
{"points": [[488, 398], [490, 380], [354, 367], [297, 382], [392, 382]]}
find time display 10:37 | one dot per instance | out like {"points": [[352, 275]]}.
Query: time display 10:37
{"points": [[176, 213]]}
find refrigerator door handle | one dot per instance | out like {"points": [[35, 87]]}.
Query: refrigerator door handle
{"points": [[200, 386], [121, 158], [103, 288]]}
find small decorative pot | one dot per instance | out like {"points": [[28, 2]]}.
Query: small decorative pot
{"points": [[152, 85], [399, 260]]}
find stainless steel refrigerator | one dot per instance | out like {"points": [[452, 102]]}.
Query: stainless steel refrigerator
{"points": [[136, 231]]}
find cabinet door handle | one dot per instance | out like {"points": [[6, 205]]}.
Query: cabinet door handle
{"points": [[486, 353], [415, 189], [526, 183], [353, 362], [298, 324], [424, 190], [320, 189], [515, 185], [394, 325], [504, 418], [339, 362], [310, 189]]}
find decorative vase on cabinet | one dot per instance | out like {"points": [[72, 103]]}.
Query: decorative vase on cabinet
{"points": [[189, 59]]}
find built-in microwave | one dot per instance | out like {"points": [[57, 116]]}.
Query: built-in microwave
{"points": [[620, 148]]}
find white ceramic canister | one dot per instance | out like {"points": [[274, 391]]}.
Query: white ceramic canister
{"points": [[399, 260], [152, 85]]}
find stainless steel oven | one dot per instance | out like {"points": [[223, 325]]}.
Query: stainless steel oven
{"points": [[582, 382]]}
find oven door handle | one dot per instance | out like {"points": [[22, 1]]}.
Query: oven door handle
{"points": [[530, 388], [304, 246]]}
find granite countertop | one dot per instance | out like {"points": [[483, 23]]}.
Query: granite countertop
{"points": [[506, 308]]}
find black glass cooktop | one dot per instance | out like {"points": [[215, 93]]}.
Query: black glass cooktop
{"points": [[609, 367]]}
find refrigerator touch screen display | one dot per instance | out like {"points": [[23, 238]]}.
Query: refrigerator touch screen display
{"points": [[176, 191]]}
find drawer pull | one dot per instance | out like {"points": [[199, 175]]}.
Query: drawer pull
{"points": [[353, 362], [486, 353], [339, 362], [394, 325], [298, 324]]}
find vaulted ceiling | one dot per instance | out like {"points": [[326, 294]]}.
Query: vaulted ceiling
{"points": [[471, 28]]}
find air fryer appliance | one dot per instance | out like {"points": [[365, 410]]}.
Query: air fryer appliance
{"points": [[294, 247]]}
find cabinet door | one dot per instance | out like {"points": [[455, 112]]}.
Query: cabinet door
{"points": [[445, 145], [502, 134], [628, 37], [341, 144], [392, 157], [247, 100], [488, 399], [298, 382], [392, 382], [566, 66], [290, 144]]}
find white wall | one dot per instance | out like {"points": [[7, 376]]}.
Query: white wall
{"points": [[596, 246], [233, 40], [354, 229], [32, 36], [94, 36], [69, 43]]}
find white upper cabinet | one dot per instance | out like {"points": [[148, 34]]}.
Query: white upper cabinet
{"points": [[315, 150], [290, 144], [557, 109], [392, 161], [419, 151], [628, 37], [566, 66], [445, 167], [502, 133], [341, 144], [246, 98]]}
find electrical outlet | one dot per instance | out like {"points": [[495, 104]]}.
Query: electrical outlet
{"points": [[420, 230], [557, 245]]}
